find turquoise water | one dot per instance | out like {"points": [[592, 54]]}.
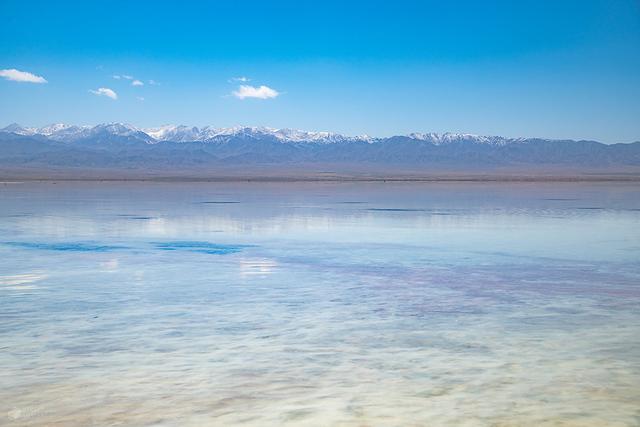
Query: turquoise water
{"points": [[190, 304]]}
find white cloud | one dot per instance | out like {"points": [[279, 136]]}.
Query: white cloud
{"points": [[21, 76], [139, 98], [262, 92], [239, 79], [134, 82], [104, 91]]}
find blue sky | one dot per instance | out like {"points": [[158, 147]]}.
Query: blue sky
{"points": [[559, 69]]}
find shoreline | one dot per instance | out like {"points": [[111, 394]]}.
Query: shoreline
{"points": [[302, 179], [321, 173]]}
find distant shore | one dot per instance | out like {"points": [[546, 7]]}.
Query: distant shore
{"points": [[293, 179], [320, 173]]}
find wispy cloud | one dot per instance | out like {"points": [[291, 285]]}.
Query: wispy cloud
{"points": [[239, 79], [21, 76], [140, 98], [262, 92], [105, 91], [134, 81]]}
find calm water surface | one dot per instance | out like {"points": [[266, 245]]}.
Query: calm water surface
{"points": [[185, 304]]}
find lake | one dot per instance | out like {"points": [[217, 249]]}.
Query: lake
{"points": [[349, 304]]}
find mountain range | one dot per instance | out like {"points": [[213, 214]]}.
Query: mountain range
{"points": [[185, 150]]}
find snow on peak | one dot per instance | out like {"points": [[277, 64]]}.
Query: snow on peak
{"points": [[182, 133], [20, 130], [174, 133], [209, 133], [448, 137], [52, 128], [116, 128]]}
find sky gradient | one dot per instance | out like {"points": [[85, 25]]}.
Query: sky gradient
{"points": [[557, 69]]}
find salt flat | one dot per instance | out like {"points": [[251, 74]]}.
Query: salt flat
{"points": [[226, 303]]}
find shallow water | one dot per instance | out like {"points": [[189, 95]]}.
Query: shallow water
{"points": [[183, 304]]}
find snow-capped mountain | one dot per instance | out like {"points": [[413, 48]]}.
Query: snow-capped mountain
{"points": [[448, 138], [118, 145], [174, 133], [20, 130], [179, 133], [54, 128], [182, 133]]}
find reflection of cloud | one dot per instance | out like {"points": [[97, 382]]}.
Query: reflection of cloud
{"points": [[259, 266], [263, 222], [20, 279], [20, 282], [110, 264], [138, 277], [157, 226]]}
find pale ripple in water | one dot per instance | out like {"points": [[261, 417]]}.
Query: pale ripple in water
{"points": [[65, 247], [201, 247]]}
